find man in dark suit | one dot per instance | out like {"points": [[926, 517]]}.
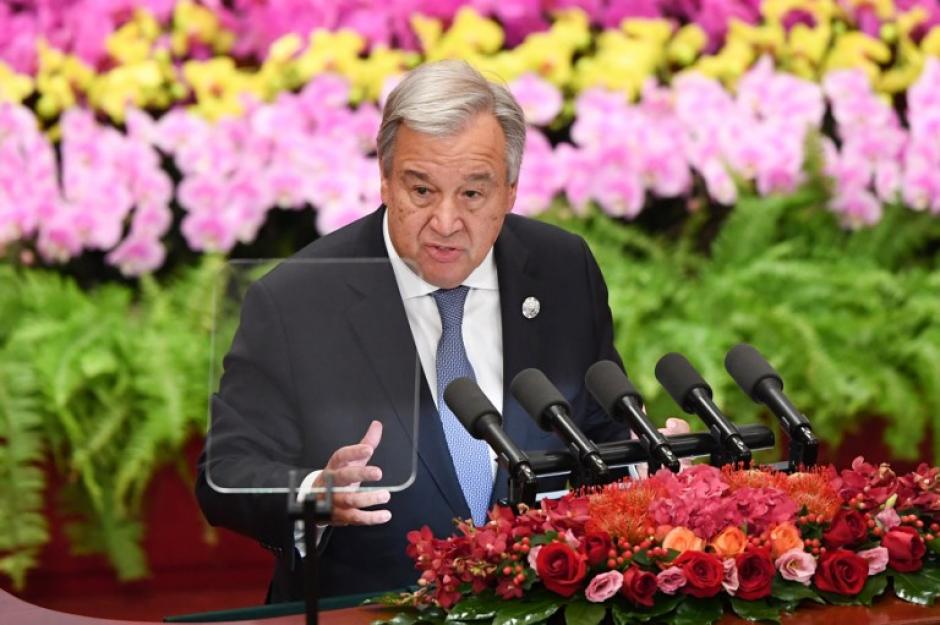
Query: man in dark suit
{"points": [[321, 361]]}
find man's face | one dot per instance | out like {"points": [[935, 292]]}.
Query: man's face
{"points": [[447, 198]]}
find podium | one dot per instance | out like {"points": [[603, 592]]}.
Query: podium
{"points": [[887, 610]]}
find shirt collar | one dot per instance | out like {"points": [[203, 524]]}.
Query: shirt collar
{"points": [[410, 285]]}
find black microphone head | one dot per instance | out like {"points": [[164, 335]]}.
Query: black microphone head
{"points": [[469, 404], [537, 394], [609, 384], [749, 368], [679, 378]]}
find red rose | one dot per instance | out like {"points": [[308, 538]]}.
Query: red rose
{"points": [[905, 549], [560, 568], [847, 528], [703, 572], [595, 546], [841, 571], [755, 574], [639, 586]]}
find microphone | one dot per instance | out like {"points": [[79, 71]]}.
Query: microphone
{"points": [[690, 391], [620, 400], [761, 382], [544, 403], [481, 419]]}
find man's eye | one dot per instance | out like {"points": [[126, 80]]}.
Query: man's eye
{"points": [[421, 190], [471, 194]]}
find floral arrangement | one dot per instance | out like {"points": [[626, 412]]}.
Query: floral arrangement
{"points": [[678, 547]]}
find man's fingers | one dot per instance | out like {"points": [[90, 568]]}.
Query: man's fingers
{"points": [[676, 426], [360, 517], [351, 454], [364, 499], [373, 435], [347, 476]]}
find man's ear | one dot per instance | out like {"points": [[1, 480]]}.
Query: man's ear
{"points": [[512, 196], [384, 187]]}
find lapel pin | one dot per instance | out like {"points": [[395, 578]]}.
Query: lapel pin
{"points": [[531, 307]]}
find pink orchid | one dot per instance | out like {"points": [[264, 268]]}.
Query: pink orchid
{"points": [[540, 100], [137, 255]]}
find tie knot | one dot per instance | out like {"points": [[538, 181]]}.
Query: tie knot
{"points": [[450, 305]]}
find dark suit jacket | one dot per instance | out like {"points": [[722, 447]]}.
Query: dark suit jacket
{"points": [[313, 362]]}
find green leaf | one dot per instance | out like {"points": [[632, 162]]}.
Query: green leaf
{"points": [[695, 611], [934, 545], [793, 592], [527, 611], [758, 610], [874, 587], [474, 608], [914, 588], [583, 612], [624, 612]]}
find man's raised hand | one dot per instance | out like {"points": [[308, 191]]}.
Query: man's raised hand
{"points": [[348, 467]]}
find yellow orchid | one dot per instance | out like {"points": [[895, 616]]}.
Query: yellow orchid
{"points": [[572, 28], [469, 34], [734, 58], [686, 45], [60, 77], [930, 44], [369, 75], [856, 49], [137, 85], [219, 86], [328, 51], [14, 87], [192, 22], [427, 29], [131, 43], [621, 63], [657, 31]]}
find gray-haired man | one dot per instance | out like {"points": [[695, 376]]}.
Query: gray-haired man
{"points": [[450, 148]]}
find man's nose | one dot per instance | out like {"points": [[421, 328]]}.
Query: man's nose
{"points": [[446, 219]]}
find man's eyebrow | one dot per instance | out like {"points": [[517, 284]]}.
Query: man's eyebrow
{"points": [[420, 175], [482, 177]]}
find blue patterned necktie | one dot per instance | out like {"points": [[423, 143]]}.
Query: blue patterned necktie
{"points": [[471, 456]]}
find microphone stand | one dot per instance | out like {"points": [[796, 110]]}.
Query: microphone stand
{"points": [[620, 455], [523, 486], [312, 510]]}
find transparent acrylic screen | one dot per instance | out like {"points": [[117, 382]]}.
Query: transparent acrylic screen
{"points": [[305, 354]]}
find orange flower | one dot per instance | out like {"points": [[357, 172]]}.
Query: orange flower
{"points": [[730, 542], [682, 539], [783, 538]]}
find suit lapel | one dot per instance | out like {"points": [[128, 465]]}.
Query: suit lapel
{"points": [[380, 324], [521, 340]]}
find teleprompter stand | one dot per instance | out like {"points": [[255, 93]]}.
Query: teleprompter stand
{"points": [[312, 508]]}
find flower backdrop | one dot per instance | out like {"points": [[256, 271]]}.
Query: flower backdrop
{"points": [[228, 113], [744, 170]]}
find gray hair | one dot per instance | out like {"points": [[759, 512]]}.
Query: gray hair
{"points": [[440, 98]]}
